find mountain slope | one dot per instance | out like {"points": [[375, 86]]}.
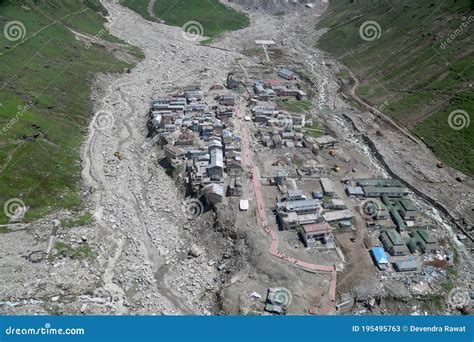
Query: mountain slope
{"points": [[414, 60], [45, 77], [214, 17]]}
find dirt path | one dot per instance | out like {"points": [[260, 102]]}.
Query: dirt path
{"points": [[364, 104]]}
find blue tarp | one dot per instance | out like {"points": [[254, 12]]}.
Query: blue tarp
{"points": [[379, 255]]}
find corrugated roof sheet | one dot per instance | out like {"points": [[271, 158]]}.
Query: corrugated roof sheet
{"points": [[379, 255]]}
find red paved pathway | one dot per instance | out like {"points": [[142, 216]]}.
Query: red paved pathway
{"points": [[267, 228]]}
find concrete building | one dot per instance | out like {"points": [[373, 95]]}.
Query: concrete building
{"points": [[286, 74], [325, 141], [312, 233], [380, 182], [227, 100], [293, 220], [425, 241], [407, 210], [173, 152], [296, 195], [393, 243], [327, 186], [379, 191], [397, 219], [214, 193], [355, 191], [216, 165], [409, 265], [300, 207], [334, 204], [338, 216], [235, 186]]}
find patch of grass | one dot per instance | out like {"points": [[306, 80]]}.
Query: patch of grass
{"points": [[432, 302], [45, 96], [80, 221], [4, 230], [421, 64], [363, 91], [344, 74], [314, 130], [454, 147], [139, 6], [80, 252], [214, 17], [294, 105], [252, 52]]}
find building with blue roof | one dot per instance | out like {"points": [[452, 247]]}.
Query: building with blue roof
{"points": [[379, 256]]}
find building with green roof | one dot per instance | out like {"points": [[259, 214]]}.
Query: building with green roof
{"points": [[406, 209], [425, 240], [393, 242]]}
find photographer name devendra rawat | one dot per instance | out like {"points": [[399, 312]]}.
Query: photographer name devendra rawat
{"points": [[437, 328]]}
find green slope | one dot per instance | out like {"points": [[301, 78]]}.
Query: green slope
{"points": [[45, 100], [421, 66], [214, 17]]}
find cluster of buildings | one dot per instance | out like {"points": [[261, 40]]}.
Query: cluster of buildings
{"points": [[400, 238], [278, 128], [201, 140], [314, 218], [396, 245]]}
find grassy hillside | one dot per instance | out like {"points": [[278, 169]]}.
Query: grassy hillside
{"points": [[45, 93], [420, 66], [214, 17]]}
